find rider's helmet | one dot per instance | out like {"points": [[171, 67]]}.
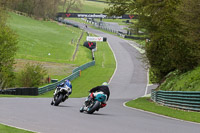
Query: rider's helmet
{"points": [[68, 83], [105, 84]]}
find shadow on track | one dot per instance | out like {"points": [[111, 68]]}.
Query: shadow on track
{"points": [[63, 106]]}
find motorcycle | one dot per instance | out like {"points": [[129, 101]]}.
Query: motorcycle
{"points": [[60, 95], [93, 103]]}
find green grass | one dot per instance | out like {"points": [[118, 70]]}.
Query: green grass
{"points": [[120, 21], [84, 54], [39, 38], [90, 7], [144, 103], [105, 31], [141, 42], [77, 20], [189, 81], [95, 75], [36, 39], [7, 129], [93, 7], [98, 0], [90, 77]]}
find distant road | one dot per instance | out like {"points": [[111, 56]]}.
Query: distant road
{"points": [[129, 82]]}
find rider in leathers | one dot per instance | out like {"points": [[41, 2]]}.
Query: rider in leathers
{"points": [[66, 84], [96, 90]]}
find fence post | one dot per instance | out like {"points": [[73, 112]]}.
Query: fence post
{"points": [[80, 73]]}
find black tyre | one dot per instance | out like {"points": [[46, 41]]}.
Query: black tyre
{"points": [[96, 106], [81, 109], [58, 100]]}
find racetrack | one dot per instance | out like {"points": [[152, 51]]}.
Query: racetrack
{"points": [[129, 82]]}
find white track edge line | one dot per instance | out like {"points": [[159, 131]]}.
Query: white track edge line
{"points": [[124, 104], [19, 127], [147, 83], [115, 61]]}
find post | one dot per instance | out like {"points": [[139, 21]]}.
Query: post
{"points": [[80, 73]]}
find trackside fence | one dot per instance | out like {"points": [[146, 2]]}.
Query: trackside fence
{"points": [[75, 74], [84, 66], [186, 100]]}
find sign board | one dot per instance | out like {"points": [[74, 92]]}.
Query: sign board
{"points": [[95, 15], [96, 39], [90, 45]]}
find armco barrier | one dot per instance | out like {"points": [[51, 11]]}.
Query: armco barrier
{"points": [[33, 91], [53, 85], [186, 100], [84, 66], [67, 22], [75, 74]]}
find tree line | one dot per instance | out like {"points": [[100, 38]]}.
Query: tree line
{"points": [[173, 27], [46, 9]]}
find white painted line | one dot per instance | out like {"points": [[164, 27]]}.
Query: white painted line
{"points": [[167, 117], [19, 128], [146, 90], [142, 51], [124, 104], [115, 61], [150, 84]]}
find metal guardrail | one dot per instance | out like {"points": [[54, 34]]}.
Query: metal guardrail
{"points": [[64, 21], [92, 63], [32, 91], [102, 25], [75, 74], [53, 85], [186, 100]]}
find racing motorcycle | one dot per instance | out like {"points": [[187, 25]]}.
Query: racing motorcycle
{"points": [[93, 103], [60, 95]]}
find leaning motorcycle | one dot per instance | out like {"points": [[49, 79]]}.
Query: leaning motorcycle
{"points": [[61, 94], [93, 103]]}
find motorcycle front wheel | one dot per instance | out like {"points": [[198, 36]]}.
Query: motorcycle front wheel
{"points": [[58, 100], [95, 107]]}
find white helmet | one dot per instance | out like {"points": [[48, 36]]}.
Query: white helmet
{"points": [[105, 84]]}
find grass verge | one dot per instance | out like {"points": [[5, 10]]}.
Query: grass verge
{"points": [[95, 75], [146, 104], [176, 81], [7, 129]]}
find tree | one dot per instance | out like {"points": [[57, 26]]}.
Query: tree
{"points": [[168, 30], [39, 8], [26, 6], [189, 18], [8, 47], [72, 5]]}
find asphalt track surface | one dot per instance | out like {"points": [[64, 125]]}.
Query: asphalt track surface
{"points": [[129, 82]]}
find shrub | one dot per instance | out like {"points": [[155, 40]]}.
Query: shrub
{"points": [[8, 48], [32, 75]]}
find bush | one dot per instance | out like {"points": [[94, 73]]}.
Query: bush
{"points": [[8, 48], [32, 75]]}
